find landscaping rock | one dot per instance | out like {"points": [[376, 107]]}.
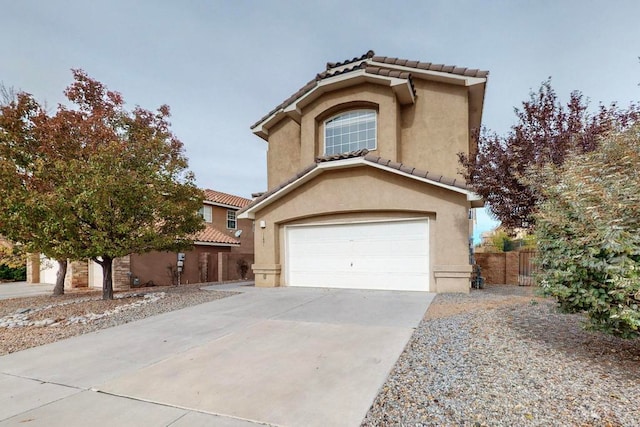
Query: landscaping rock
{"points": [[74, 314], [509, 359]]}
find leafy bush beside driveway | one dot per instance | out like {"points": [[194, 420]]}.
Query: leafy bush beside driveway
{"points": [[588, 233]]}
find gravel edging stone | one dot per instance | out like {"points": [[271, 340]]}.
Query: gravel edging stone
{"points": [[34, 321]]}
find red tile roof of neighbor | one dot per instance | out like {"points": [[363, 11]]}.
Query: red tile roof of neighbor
{"points": [[225, 199], [365, 64], [210, 234]]}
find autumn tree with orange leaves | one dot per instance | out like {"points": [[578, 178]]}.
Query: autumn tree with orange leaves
{"points": [[94, 181]]}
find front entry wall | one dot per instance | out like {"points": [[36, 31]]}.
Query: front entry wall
{"points": [[359, 194]]}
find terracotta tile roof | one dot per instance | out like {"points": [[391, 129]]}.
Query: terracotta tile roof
{"points": [[210, 234], [451, 69], [225, 199], [454, 182], [347, 155], [371, 158], [362, 63], [304, 89], [369, 54], [369, 69], [387, 73]]}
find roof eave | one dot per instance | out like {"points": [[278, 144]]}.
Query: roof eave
{"points": [[440, 76], [346, 163], [469, 193], [401, 87], [200, 243], [476, 201], [222, 205], [250, 213]]}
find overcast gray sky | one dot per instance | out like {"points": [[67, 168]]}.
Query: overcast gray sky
{"points": [[221, 65]]}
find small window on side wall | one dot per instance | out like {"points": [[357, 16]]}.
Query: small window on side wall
{"points": [[231, 220], [206, 213], [350, 131]]}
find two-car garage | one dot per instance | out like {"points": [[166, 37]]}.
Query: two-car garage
{"points": [[390, 255], [356, 223]]}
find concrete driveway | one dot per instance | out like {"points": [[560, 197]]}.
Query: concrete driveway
{"points": [[282, 356]]}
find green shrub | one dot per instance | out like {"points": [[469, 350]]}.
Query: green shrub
{"points": [[11, 273], [588, 233]]}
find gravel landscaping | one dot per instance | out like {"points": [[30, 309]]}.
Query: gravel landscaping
{"points": [[33, 321], [503, 357]]}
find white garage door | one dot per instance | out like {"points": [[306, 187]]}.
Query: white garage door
{"points": [[374, 255]]}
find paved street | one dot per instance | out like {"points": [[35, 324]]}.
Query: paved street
{"points": [[22, 289]]}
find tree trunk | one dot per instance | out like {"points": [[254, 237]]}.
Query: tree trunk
{"points": [[62, 273], [107, 279]]}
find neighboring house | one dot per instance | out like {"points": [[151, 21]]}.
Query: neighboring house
{"points": [[501, 239], [486, 242], [364, 189], [224, 242]]}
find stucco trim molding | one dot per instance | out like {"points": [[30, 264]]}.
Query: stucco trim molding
{"points": [[267, 268], [311, 173], [452, 271], [267, 275], [452, 278], [222, 205]]}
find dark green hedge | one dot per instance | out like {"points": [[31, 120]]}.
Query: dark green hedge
{"points": [[15, 274]]}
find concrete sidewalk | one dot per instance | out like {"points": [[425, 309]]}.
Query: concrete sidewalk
{"points": [[282, 356], [23, 289]]}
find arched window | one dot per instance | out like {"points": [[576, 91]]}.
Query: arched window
{"points": [[350, 131]]}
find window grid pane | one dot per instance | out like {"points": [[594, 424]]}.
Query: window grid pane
{"points": [[206, 213], [351, 131], [231, 219]]}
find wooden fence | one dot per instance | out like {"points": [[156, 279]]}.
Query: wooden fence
{"points": [[509, 268]]}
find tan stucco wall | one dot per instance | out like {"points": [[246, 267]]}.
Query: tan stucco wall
{"points": [[364, 192], [436, 128], [246, 238], [426, 135], [283, 152]]}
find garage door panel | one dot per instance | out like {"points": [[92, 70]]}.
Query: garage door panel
{"points": [[377, 255], [382, 281]]}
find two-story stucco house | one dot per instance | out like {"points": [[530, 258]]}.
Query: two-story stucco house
{"points": [[364, 189]]}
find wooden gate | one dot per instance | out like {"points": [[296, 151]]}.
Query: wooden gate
{"points": [[527, 268]]}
